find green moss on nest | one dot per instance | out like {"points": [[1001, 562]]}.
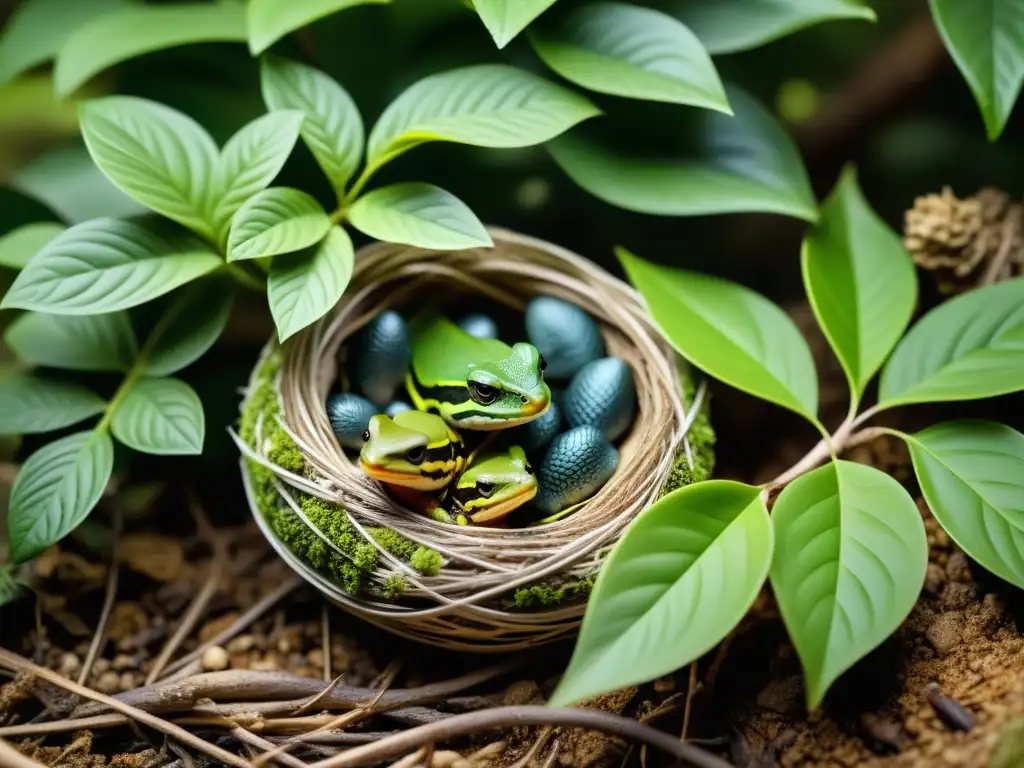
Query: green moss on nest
{"points": [[360, 555], [545, 595]]}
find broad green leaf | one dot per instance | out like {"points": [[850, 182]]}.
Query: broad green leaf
{"points": [[270, 20], [972, 476], [333, 129], [251, 159], [986, 40], [303, 287], [31, 404], [742, 163], [105, 264], [967, 348], [486, 105], [195, 326], [74, 342], [730, 332], [728, 26], [55, 489], [860, 280], [850, 560], [684, 574], [505, 19], [137, 29], [631, 51], [17, 247], [418, 214], [277, 220], [38, 29], [160, 416], [156, 155]]}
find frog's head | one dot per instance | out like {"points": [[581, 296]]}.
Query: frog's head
{"points": [[505, 392], [494, 485], [413, 450]]}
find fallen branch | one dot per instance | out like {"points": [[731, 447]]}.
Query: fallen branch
{"points": [[21, 664], [508, 717]]}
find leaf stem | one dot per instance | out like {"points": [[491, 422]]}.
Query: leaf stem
{"points": [[357, 186], [244, 278]]}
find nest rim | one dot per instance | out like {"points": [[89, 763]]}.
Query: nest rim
{"points": [[461, 608]]}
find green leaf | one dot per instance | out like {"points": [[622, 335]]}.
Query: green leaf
{"points": [[986, 40], [333, 129], [132, 31], [160, 416], [860, 280], [103, 342], [684, 574], [303, 287], [31, 405], [418, 214], [270, 20], [154, 154], [17, 247], [505, 19], [55, 489], [277, 220], [972, 476], [730, 332], [252, 158], [730, 165], [728, 26], [11, 588], [104, 265], [39, 29], [196, 325], [486, 105], [850, 560], [967, 348], [631, 51]]}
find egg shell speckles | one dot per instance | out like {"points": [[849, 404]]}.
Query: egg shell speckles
{"points": [[566, 335], [577, 464], [479, 325], [602, 395], [349, 415], [379, 357]]}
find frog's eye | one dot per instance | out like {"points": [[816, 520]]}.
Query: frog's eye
{"points": [[416, 455], [366, 435], [484, 489], [483, 393], [543, 363]]}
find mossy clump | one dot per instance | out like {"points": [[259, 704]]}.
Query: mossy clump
{"points": [[393, 586], [546, 595], [359, 558]]}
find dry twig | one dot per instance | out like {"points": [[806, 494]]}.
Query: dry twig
{"points": [[12, 758], [100, 635]]}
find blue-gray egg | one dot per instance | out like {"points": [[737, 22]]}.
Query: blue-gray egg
{"points": [[536, 435], [578, 463], [396, 407], [603, 395], [350, 415], [479, 325], [565, 335], [379, 357]]}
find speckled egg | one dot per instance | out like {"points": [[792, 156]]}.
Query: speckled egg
{"points": [[479, 325], [566, 335], [350, 415], [379, 357], [536, 435], [396, 407], [578, 463], [603, 395]]}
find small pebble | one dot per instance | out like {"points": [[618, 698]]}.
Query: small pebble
{"points": [[69, 665], [951, 712], [241, 644], [315, 658], [602, 394], [100, 666], [934, 578], [479, 325], [126, 682], [350, 416], [944, 632], [108, 682], [123, 661], [379, 357], [215, 659], [565, 335], [397, 406]]}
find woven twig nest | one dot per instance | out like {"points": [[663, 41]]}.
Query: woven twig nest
{"points": [[461, 587]]}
